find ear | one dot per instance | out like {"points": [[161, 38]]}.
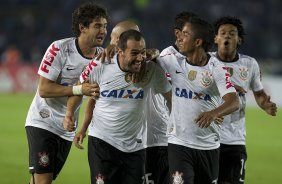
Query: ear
{"points": [[239, 41], [215, 39], [81, 28], [120, 52], [198, 42]]}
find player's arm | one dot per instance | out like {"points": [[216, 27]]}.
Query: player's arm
{"points": [[80, 135], [50, 89], [263, 101], [231, 104]]}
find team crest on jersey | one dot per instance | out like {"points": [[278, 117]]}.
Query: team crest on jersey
{"points": [[206, 79], [192, 75], [244, 72], [44, 113], [229, 70], [177, 178], [100, 179], [43, 159]]}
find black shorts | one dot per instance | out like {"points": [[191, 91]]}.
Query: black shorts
{"points": [[112, 166], [192, 166], [47, 151], [232, 163], [156, 165]]}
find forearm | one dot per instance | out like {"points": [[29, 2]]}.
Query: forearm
{"points": [[88, 114], [261, 98], [231, 104], [50, 89], [72, 104]]}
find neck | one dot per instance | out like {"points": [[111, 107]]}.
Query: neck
{"points": [[198, 58], [87, 51], [225, 56]]}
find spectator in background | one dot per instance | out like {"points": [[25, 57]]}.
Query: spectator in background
{"points": [[63, 62], [245, 74], [11, 56]]}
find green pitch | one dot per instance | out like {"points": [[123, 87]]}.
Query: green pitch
{"points": [[264, 147]]}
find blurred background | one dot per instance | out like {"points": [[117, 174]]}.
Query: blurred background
{"points": [[28, 27]]}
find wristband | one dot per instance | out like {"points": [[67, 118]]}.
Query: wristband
{"points": [[77, 90]]}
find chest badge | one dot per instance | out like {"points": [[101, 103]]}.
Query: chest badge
{"points": [[206, 79], [243, 73], [192, 75]]}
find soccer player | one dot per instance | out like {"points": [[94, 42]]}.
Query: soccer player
{"points": [[115, 144], [199, 83], [157, 169], [245, 73], [80, 135], [61, 66]]}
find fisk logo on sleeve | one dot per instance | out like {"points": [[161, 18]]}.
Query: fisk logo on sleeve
{"points": [[87, 70], [49, 58]]}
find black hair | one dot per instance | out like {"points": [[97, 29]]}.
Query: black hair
{"points": [[85, 14], [231, 20], [203, 30], [181, 18], [128, 35]]}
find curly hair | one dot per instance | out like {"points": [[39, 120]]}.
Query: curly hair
{"points": [[85, 14], [231, 20]]}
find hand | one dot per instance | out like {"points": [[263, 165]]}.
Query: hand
{"points": [[92, 90], [68, 123], [108, 53], [205, 119], [240, 89], [270, 107], [219, 120], [152, 54], [139, 77], [78, 139]]}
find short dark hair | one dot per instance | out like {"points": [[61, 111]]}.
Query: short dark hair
{"points": [[181, 18], [230, 20], [203, 30], [85, 14], [128, 35]]}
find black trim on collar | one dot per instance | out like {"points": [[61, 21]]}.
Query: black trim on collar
{"points": [[208, 58], [234, 60], [80, 52], [119, 65]]}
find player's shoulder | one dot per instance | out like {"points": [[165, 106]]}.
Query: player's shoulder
{"points": [[214, 61], [171, 51], [246, 57]]}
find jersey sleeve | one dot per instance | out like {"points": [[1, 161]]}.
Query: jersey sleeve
{"points": [[222, 79], [255, 83], [52, 62], [161, 83], [90, 73]]}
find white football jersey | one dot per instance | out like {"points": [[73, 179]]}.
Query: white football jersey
{"points": [[157, 117], [244, 72], [119, 113], [62, 63], [195, 89], [157, 120]]}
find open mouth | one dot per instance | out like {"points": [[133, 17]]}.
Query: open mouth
{"points": [[226, 43]]}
